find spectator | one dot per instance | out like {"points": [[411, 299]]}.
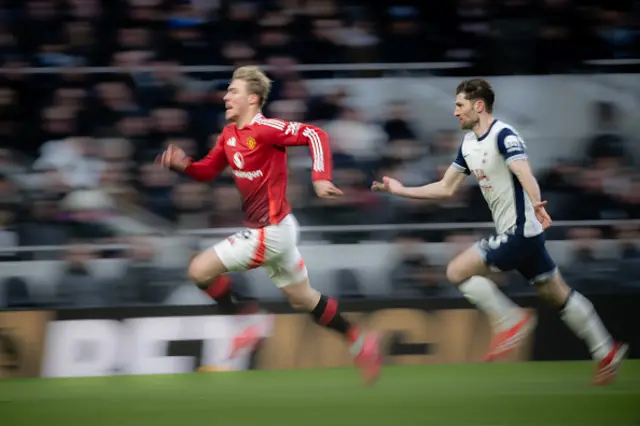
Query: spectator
{"points": [[79, 286], [588, 270], [413, 275]]}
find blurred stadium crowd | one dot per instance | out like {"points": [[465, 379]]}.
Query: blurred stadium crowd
{"points": [[76, 147]]}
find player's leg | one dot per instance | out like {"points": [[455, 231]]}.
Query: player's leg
{"points": [[208, 273], [208, 269], [325, 311], [288, 271], [579, 315], [468, 272]]}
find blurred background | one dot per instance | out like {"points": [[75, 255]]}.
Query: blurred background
{"points": [[91, 91]]}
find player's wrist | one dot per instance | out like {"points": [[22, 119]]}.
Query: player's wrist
{"points": [[181, 166], [402, 191]]}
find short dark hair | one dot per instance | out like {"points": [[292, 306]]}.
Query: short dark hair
{"points": [[478, 89]]}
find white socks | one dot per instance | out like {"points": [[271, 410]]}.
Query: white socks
{"points": [[484, 293], [582, 319], [578, 313]]}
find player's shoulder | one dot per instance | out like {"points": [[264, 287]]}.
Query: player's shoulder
{"points": [[261, 122], [502, 129]]}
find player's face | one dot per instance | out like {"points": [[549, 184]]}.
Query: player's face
{"points": [[465, 112], [236, 100]]}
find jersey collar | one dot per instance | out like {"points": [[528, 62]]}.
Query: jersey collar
{"points": [[256, 118], [495, 120]]}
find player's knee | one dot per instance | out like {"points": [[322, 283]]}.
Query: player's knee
{"points": [[204, 268], [197, 273], [298, 304], [455, 274], [554, 290]]}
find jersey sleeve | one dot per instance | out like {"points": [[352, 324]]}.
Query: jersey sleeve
{"points": [[208, 168], [460, 164], [511, 146], [283, 133]]}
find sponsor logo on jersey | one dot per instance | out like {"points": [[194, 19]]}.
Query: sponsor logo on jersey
{"points": [[248, 175], [238, 160], [513, 143], [231, 142], [292, 128]]}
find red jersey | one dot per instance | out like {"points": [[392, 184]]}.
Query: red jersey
{"points": [[257, 155]]}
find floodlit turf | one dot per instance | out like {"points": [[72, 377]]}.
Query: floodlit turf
{"points": [[526, 394]]}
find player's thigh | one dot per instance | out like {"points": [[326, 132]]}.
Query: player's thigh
{"points": [[206, 266], [467, 264], [288, 269], [501, 252], [283, 262], [290, 275], [542, 272], [537, 267], [239, 252]]}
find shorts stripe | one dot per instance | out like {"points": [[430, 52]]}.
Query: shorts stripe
{"points": [[259, 255]]}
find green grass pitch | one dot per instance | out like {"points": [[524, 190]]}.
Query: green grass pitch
{"points": [[518, 394]]}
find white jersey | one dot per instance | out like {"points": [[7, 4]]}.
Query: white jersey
{"points": [[487, 157]]}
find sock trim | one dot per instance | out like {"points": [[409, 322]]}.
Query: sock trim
{"points": [[219, 287], [566, 302], [329, 312]]}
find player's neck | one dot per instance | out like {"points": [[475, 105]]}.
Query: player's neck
{"points": [[246, 118], [482, 127]]}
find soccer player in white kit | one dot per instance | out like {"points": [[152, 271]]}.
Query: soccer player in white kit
{"points": [[495, 154]]}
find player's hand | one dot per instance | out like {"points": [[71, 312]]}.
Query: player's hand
{"points": [[388, 184], [326, 189], [542, 215], [173, 158]]}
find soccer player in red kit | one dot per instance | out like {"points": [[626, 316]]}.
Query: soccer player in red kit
{"points": [[255, 148]]}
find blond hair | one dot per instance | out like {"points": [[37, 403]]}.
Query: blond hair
{"points": [[257, 82]]}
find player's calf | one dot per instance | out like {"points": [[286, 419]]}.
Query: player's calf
{"points": [[208, 272], [467, 272], [510, 324], [365, 346], [578, 313], [323, 309]]}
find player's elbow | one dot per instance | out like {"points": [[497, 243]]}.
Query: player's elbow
{"points": [[321, 133], [317, 135], [447, 191]]}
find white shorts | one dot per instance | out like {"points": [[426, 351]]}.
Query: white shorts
{"points": [[273, 248]]}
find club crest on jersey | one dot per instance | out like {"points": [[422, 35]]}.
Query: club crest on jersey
{"points": [[251, 142], [238, 160]]}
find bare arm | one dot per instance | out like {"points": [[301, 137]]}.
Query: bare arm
{"points": [[523, 172], [520, 167], [444, 188]]}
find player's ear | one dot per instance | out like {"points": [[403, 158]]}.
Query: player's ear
{"points": [[254, 99]]}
